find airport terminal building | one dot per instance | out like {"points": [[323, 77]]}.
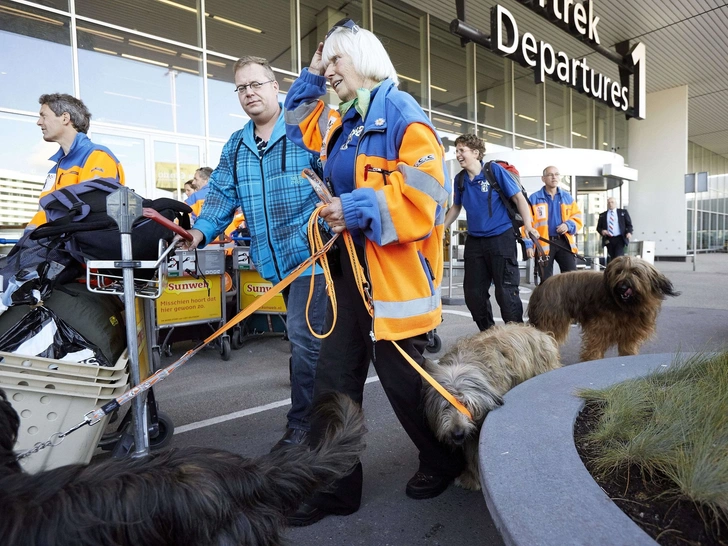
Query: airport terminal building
{"points": [[540, 81]]}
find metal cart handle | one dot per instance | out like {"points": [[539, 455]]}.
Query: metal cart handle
{"points": [[154, 215]]}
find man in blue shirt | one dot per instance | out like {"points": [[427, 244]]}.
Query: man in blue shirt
{"points": [[490, 248]]}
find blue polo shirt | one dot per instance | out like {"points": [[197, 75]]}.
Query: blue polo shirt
{"points": [[474, 198]]}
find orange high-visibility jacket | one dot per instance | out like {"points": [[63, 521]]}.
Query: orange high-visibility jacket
{"points": [[84, 161], [399, 206]]}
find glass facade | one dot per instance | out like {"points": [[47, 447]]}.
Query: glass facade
{"points": [[712, 206], [157, 76]]}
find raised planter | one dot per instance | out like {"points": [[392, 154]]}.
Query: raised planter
{"points": [[536, 487]]}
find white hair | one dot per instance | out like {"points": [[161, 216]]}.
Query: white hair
{"points": [[367, 53]]}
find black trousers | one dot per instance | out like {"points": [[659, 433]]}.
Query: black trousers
{"points": [[492, 259], [342, 367], [560, 252], [615, 247]]}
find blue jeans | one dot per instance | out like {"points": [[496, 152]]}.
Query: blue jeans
{"points": [[304, 347]]}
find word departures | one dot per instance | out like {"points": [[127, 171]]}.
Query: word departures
{"points": [[577, 18]]}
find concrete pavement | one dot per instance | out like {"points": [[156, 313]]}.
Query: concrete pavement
{"points": [[240, 405]]}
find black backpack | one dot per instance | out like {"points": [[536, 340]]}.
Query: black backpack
{"points": [[77, 214], [79, 229], [510, 206]]}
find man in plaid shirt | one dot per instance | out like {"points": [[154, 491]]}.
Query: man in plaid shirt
{"points": [[260, 172]]}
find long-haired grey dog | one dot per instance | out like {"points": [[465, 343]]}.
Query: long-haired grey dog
{"points": [[181, 496], [478, 370]]}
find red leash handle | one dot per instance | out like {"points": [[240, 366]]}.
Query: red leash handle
{"points": [[169, 224]]}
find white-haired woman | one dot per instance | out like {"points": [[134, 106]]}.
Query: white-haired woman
{"points": [[385, 167]]}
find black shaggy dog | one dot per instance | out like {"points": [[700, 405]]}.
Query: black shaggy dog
{"points": [[185, 496]]}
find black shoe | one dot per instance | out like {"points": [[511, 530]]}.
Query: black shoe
{"points": [[292, 436], [426, 486]]}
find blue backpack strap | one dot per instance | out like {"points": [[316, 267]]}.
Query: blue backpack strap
{"points": [[70, 198]]}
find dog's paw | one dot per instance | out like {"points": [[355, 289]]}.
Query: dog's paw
{"points": [[467, 481]]}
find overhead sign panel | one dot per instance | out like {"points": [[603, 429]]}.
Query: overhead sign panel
{"points": [[580, 20]]}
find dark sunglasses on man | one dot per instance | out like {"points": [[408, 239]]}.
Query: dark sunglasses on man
{"points": [[344, 23]]}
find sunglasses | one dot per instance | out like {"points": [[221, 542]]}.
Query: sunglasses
{"points": [[344, 23]]}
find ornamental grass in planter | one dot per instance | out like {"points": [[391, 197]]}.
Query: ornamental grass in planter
{"points": [[658, 445]]}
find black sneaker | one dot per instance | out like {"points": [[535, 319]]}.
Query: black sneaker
{"points": [[426, 486]]}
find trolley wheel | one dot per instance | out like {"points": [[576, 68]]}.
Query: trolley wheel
{"points": [[168, 349], [165, 430], [236, 338], [156, 358], [225, 350], [435, 344]]}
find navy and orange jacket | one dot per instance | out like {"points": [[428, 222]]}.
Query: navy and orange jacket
{"points": [[570, 214], [84, 161], [196, 200], [399, 208]]}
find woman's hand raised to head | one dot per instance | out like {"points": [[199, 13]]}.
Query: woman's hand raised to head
{"points": [[317, 66]]}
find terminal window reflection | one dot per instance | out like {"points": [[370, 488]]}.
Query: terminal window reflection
{"points": [[557, 113], [129, 80], [172, 19], [22, 148], [317, 17], [449, 76], [494, 90], [37, 39], [528, 104], [262, 29], [582, 121], [400, 34]]}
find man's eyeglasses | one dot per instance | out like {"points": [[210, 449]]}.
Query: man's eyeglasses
{"points": [[240, 89], [552, 174], [344, 23]]}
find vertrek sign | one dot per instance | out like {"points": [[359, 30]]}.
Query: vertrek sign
{"points": [[578, 19]]}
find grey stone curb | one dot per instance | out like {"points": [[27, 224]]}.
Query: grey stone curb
{"points": [[536, 488]]}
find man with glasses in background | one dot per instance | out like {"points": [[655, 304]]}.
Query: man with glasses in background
{"points": [[557, 218], [260, 172]]}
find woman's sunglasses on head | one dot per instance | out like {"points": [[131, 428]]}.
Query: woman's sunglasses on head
{"points": [[344, 23]]}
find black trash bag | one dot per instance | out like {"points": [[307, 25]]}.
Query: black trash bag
{"points": [[42, 333], [30, 255]]}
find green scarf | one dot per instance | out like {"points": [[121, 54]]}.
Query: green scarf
{"points": [[360, 102]]}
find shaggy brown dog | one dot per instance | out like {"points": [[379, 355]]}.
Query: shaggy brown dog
{"points": [[184, 496], [618, 307], [478, 370]]}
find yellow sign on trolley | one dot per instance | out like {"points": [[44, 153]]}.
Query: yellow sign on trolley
{"points": [[186, 299], [252, 286]]}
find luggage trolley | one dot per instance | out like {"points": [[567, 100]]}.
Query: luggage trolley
{"points": [[125, 207], [194, 293], [271, 318]]}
